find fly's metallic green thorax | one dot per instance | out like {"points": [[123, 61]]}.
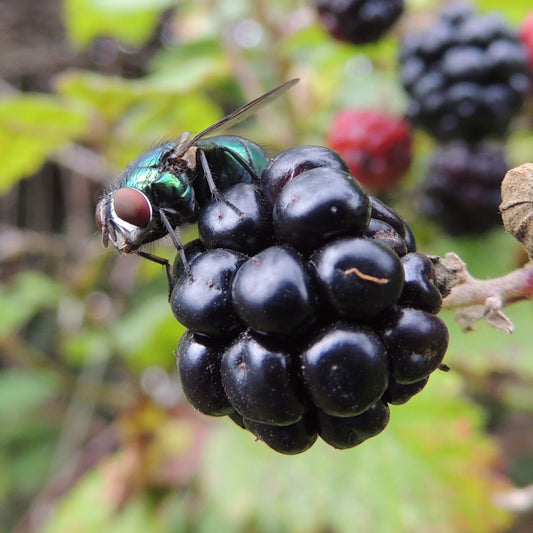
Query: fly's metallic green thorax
{"points": [[167, 185]]}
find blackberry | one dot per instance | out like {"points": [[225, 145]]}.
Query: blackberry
{"points": [[358, 21], [308, 308], [466, 77], [461, 190], [376, 146]]}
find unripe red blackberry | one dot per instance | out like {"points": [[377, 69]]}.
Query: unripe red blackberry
{"points": [[376, 146], [526, 35]]}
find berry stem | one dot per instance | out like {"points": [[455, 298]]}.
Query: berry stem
{"points": [[482, 299]]}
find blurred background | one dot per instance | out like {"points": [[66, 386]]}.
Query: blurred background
{"points": [[95, 433]]}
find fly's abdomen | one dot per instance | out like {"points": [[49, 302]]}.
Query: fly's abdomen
{"points": [[231, 160]]}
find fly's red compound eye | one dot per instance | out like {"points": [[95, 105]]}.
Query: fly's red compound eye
{"points": [[132, 206]]}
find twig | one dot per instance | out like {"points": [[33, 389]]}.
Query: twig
{"points": [[482, 299]]}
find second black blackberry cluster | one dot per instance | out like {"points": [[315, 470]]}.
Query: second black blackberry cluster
{"points": [[461, 190], [466, 77], [309, 310]]}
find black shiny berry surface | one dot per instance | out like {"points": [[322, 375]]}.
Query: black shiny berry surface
{"points": [[272, 292], [415, 341], [420, 289], [286, 165], [358, 277], [242, 222], [201, 299], [345, 370], [318, 206], [290, 440], [400, 393], [308, 309], [199, 369], [259, 380], [347, 432]]}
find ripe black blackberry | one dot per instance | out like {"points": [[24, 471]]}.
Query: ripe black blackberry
{"points": [[316, 315], [461, 191], [358, 21], [466, 77]]}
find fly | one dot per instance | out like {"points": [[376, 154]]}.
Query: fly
{"points": [[165, 187]]}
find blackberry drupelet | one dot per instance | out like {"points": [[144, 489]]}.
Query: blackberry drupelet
{"points": [[308, 313], [466, 77]]}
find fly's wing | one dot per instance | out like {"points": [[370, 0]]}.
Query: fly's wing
{"points": [[238, 115]]}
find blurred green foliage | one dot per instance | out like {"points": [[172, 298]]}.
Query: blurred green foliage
{"points": [[94, 434]]}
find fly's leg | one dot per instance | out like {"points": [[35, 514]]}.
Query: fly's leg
{"points": [[160, 261], [176, 241], [213, 188]]}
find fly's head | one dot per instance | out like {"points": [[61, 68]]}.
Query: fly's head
{"points": [[125, 217]]}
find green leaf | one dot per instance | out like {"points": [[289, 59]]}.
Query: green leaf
{"points": [[28, 464], [150, 106], [22, 392], [110, 95], [33, 126], [90, 344], [430, 470], [200, 63], [148, 335], [132, 6], [131, 22], [89, 507], [29, 293], [514, 11]]}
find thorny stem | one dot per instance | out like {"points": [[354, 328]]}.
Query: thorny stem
{"points": [[482, 299]]}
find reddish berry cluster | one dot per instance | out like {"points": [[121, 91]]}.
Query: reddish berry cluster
{"points": [[376, 146], [526, 35]]}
